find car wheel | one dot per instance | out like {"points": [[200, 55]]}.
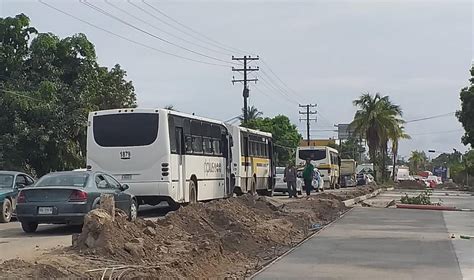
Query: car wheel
{"points": [[29, 227], [7, 210], [133, 210]]}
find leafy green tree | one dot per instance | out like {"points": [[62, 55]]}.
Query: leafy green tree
{"points": [[417, 161], [466, 114], [48, 85], [285, 136], [351, 148], [375, 120], [252, 114]]}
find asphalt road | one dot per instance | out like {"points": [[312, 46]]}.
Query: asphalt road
{"points": [[375, 243]]}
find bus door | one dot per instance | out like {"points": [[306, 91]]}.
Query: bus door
{"points": [[227, 152], [181, 174], [246, 162], [272, 167]]}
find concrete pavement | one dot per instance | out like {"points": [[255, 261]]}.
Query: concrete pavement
{"points": [[372, 243]]}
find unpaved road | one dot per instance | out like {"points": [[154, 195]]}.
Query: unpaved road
{"points": [[375, 243], [14, 243]]}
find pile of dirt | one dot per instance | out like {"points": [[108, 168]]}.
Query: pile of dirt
{"points": [[228, 238], [411, 185], [224, 238], [17, 268], [448, 186]]}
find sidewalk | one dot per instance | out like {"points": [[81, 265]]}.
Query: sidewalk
{"points": [[370, 243]]}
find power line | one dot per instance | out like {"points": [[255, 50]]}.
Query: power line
{"points": [[128, 39], [102, 11], [210, 40], [308, 113], [245, 80], [270, 80], [157, 28], [274, 89], [432, 117], [281, 81]]}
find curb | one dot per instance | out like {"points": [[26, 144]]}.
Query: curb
{"points": [[355, 200], [426, 207], [296, 246]]}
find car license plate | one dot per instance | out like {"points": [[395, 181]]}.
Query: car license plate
{"points": [[45, 210], [126, 177]]}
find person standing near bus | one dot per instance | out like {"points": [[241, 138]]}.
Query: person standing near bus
{"points": [[308, 174], [290, 178]]}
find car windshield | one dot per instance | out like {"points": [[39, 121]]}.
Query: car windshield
{"points": [[63, 179], [6, 181]]}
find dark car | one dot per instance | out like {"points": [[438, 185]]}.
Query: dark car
{"points": [[10, 183], [66, 197]]}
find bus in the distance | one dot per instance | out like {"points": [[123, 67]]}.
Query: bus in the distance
{"points": [[326, 159], [253, 166], [162, 155]]}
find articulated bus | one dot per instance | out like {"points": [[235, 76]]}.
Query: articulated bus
{"points": [[326, 159], [162, 155], [253, 168]]}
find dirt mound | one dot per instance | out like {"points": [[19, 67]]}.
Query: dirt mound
{"points": [[359, 191], [224, 238], [31, 270], [411, 185]]}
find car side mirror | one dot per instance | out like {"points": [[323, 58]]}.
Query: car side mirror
{"points": [[20, 185], [124, 187]]}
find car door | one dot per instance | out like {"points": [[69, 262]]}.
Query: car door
{"points": [[122, 199]]}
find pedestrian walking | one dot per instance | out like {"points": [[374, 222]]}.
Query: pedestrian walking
{"points": [[308, 174], [290, 178]]}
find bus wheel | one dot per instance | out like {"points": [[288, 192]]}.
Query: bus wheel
{"points": [[192, 192]]}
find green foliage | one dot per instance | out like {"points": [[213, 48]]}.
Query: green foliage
{"points": [[351, 148], [285, 135], [417, 161], [421, 199], [466, 114], [48, 85], [252, 114], [377, 120]]}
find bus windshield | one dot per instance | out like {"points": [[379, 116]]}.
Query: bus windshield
{"points": [[312, 154], [125, 130]]}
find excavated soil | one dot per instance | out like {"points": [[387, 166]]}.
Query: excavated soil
{"points": [[223, 239]]}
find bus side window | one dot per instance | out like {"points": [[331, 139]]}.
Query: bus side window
{"points": [[189, 144], [216, 145]]}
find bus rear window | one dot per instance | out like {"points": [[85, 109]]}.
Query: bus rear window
{"points": [[125, 130], [312, 154]]}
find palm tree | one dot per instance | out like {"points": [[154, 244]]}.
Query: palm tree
{"points": [[374, 120], [417, 159], [397, 135], [252, 113]]}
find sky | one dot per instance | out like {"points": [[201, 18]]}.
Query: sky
{"points": [[325, 52]]}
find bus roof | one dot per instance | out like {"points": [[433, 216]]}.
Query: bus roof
{"points": [[154, 110], [317, 148], [254, 131]]}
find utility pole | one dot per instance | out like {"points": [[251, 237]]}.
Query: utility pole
{"points": [[245, 69], [308, 113]]}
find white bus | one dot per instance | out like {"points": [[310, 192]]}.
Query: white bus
{"points": [[326, 159], [253, 168], [162, 155]]}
